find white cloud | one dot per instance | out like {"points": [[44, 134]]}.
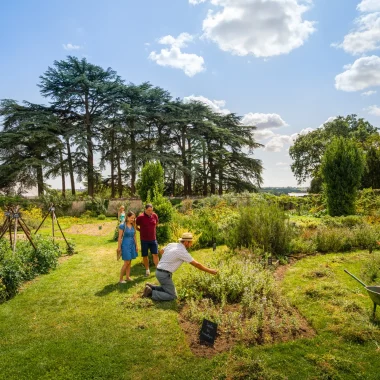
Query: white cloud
{"points": [[366, 36], [263, 28], [194, 2], [368, 93], [363, 73], [191, 64], [278, 142], [374, 110], [179, 42], [263, 134], [263, 120], [71, 47], [369, 6], [215, 105], [329, 120]]}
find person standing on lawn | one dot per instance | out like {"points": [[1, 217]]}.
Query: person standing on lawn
{"points": [[127, 245], [146, 223], [173, 256], [121, 214]]}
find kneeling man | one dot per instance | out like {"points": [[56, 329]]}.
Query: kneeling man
{"points": [[173, 256]]}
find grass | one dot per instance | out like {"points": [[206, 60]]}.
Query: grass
{"points": [[77, 322]]}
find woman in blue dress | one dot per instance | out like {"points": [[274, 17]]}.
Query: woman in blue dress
{"points": [[127, 245]]}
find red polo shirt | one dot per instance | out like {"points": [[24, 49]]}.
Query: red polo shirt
{"points": [[147, 225]]}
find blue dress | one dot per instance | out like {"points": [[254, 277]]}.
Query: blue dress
{"points": [[128, 246]]}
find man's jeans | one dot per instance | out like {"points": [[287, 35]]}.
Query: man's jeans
{"points": [[166, 291]]}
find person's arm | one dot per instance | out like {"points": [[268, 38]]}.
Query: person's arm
{"points": [[137, 224], [202, 267], [134, 236], [119, 240], [161, 251]]}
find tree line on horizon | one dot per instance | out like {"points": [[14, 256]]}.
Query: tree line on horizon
{"points": [[93, 111]]}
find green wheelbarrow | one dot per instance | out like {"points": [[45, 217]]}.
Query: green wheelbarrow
{"points": [[373, 292]]}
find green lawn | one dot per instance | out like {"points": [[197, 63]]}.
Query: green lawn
{"points": [[78, 323]]}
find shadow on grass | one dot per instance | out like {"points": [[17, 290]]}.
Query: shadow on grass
{"points": [[137, 271]]}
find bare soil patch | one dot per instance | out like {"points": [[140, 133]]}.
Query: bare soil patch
{"points": [[99, 229]]}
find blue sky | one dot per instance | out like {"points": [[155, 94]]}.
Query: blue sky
{"points": [[286, 66]]}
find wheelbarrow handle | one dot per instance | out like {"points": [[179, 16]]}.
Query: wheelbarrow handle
{"points": [[355, 278]]}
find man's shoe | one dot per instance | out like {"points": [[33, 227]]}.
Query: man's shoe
{"points": [[147, 292]]}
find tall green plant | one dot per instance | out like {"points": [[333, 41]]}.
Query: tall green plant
{"points": [[263, 226], [151, 177], [342, 169]]}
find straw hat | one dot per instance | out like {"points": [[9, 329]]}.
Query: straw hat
{"points": [[186, 236]]}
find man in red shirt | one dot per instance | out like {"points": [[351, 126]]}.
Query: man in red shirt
{"points": [[146, 223]]}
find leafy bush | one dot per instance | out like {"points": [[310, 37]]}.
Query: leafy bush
{"points": [[263, 226], [371, 270], [299, 245], [163, 234], [151, 177], [32, 217], [342, 221], [11, 274], [366, 237], [97, 206], [101, 217], [62, 205], [333, 240], [25, 264]]}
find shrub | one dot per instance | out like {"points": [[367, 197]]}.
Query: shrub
{"points": [[101, 217], [163, 234], [32, 217], [371, 270], [11, 274], [97, 206], [365, 237], [299, 245], [151, 177], [25, 264], [342, 168], [333, 240], [262, 226]]}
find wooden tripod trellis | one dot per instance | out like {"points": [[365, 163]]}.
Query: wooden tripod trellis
{"points": [[12, 220], [51, 212]]}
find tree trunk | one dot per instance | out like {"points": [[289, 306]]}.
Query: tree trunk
{"points": [[184, 163], [40, 180], [174, 179], [220, 165], [62, 174], [204, 169], [189, 189], [119, 179], [90, 151], [212, 170], [112, 159], [133, 161], [70, 162]]}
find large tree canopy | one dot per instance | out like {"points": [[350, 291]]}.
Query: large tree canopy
{"points": [[308, 150], [87, 91], [92, 111]]}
